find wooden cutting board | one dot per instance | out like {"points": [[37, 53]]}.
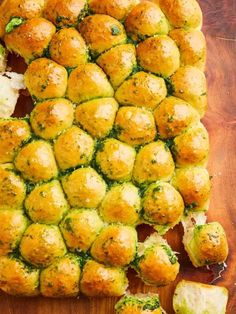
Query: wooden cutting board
{"points": [[220, 30]]}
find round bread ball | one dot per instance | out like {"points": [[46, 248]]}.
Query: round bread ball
{"points": [[159, 55], [192, 146], [118, 63], [121, 204], [30, 39], [142, 90], [135, 126], [173, 116], [45, 78], [88, 82], [46, 204], [192, 46], [189, 84], [36, 162], [115, 245], [73, 148], [146, 20], [194, 185], [65, 13], [12, 226], [97, 116], [116, 159], [182, 13], [102, 281], [68, 48], [14, 133], [18, 279], [115, 8], [61, 279], [102, 32], [80, 227], [42, 244], [153, 162], [50, 117], [84, 188]]}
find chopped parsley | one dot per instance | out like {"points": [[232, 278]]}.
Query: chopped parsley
{"points": [[14, 22]]}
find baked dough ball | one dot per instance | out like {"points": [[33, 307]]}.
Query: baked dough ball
{"points": [[46, 203], [115, 245], [50, 117], [18, 279], [115, 8], [84, 188], [192, 46], [142, 90], [13, 134], [189, 84], [45, 78], [88, 82], [135, 126], [97, 116], [118, 63], [12, 226], [116, 159], [121, 204], [80, 227], [65, 13], [36, 162], [173, 116], [61, 279], [73, 148], [159, 55], [30, 39], [12, 189], [102, 32], [68, 48], [41, 245], [146, 20], [194, 185], [103, 281], [153, 162]]}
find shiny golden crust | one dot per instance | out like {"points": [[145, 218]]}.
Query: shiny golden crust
{"points": [[159, 55], [146, 20], [142, 90], [45, 78], [41, 245], [173, 116], [102, 32], [18, 279], [153, 162], [46, 203], [84, 188], [80, 227], [73, 148], [189, 84], [100, 280], [12, 226], [88, 82], [115, 245], [30, 39], [118, 63], [36, 162], [121, 204], [61, 279], [68, 48], [97, 116], [115, 159], [13, 134], [135, 126], [50, 117]]}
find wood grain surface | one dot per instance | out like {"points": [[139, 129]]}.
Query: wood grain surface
{"points": [[220, 30]]}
